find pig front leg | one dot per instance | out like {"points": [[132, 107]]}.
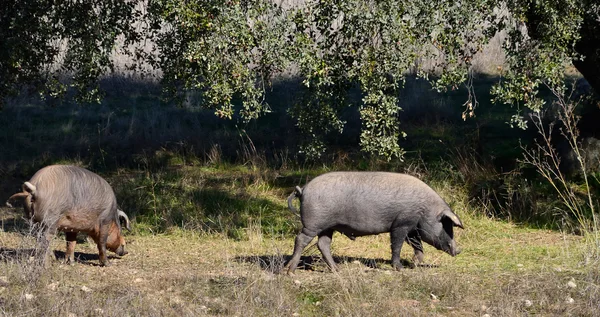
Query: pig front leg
{"points": [[397, 237], [414, 240], [71, 238], [101, 237], [43, 252]]}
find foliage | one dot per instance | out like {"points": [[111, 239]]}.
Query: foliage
{"points": [[232, 49], [228, 52], [542, 41], [222, 49], [42, 41]]}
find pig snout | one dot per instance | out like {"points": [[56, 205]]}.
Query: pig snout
{"points": [[454, 249], [457, 251], [121, 251], [451, 248]]}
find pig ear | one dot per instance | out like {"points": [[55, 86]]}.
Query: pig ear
{"points": [[29, 187], [452, 216]]}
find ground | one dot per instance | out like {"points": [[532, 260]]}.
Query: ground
{"points": [[504, 270]]}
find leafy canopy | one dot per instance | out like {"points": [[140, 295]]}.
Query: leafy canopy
{"points": [[230, 51]]}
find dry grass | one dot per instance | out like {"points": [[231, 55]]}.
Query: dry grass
{"points": [[185, 273]]}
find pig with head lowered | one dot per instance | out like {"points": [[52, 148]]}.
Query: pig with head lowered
{"points": [[73, 199], [366, 203]]}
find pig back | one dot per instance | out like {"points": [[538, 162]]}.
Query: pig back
{"points": [[367, 202], [63, 190]]}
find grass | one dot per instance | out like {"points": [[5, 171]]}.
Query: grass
{"points": [[184, 272], [228, 263]]}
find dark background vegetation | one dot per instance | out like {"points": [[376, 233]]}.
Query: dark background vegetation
{"points": [[180, 165], [199, 104]]}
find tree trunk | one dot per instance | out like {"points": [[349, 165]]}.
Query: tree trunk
{"points": [[589, 47]]}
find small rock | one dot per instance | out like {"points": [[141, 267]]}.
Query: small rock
{"points": [[203, 307], [86, 289], [318, 303], [528, 303], [175, 299], [52, 286], [569, 300], [138, 280], [485, 315], [483, 308], [29, 296], [571, 283], [356, 262], [297, 282], [295, 314]]}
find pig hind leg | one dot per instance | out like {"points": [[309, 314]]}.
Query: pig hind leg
{"points": [[302, 240], [324, 245]]}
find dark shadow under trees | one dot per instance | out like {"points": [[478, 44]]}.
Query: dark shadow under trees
{"points": [[134, 130]]}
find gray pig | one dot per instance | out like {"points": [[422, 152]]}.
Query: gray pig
{"points": [[366, 203], [73, 199]]}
